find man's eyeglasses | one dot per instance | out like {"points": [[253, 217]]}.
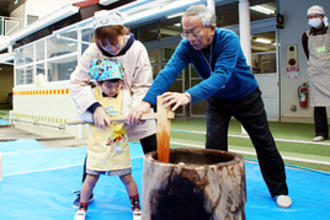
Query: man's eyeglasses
{"points": [[192, 34]]}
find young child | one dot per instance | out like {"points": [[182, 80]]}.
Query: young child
{"points": [[108, 150]]}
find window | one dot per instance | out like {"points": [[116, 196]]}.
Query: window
{"points": [[264, 63], [149, 32], [40, 69], [87, 36], [170, 27], [263, 42], [155, 61], [198, 108], [135, 32], [24, 75], [57, 46], [62, 55], [263, 53], [54, 57], [24, 55], [61, 69], [179, 84], [40, 50], [227, 15]]}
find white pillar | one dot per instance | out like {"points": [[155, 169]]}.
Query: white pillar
{"points": [[245, 33], [211, 5], [245, 28]]}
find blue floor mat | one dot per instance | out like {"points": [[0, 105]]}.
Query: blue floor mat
{"points": [[4, 122], [39, 183]]}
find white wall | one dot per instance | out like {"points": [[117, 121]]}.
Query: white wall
{"points": [[295, 23], [19, 12], [268, 86]]}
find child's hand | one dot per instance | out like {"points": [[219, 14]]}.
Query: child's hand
{"points": [[101, 118]]}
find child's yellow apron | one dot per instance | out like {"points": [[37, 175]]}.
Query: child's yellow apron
{"points": [[108, 149]]}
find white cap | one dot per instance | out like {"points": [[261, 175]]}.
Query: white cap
{"points": [[316, 9], [106, 18]]}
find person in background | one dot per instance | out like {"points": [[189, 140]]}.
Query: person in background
{"points": [[113, 40], [229, 87], [108, 150], [316, 44]]}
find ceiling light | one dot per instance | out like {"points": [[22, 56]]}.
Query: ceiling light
{"points": [[263, 40], [263, 9]]}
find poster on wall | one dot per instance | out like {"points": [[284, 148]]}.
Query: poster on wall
{"points": [[292, 68]]}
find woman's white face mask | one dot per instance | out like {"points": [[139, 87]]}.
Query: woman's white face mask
{"points": [[315, 22]]}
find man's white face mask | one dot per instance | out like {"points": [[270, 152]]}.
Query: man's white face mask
{"points": [[315, 22]]}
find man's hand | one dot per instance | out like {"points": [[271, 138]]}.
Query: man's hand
{"points": [[137, 111], [101, 118], [176, 99]]}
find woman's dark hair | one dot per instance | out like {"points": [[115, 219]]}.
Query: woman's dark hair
{"points": [[110, 33]]}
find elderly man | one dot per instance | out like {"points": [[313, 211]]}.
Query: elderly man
{"points": [[229, 87], [316, 44]]}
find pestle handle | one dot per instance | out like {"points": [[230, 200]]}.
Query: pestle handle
{"points": [[163, 117], [163, 131], [146, 116]]}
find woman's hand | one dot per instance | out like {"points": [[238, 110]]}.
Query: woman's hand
{"points": [[101, 118], [176, 99], [137, 111]]}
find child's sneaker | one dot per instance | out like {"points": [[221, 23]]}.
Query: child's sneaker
{"points": [[137, 214], [80, 214]]}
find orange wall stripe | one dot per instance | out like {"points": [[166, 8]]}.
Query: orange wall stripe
{"points": [[43, 92]]}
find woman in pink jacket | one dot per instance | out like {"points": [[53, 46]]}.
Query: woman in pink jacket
{"points": [[113, 40]]}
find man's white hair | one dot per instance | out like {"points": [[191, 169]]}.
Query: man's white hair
{"points": [[204, 13]]}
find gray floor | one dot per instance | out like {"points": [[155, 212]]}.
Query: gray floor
{"points": [[10, 133]]}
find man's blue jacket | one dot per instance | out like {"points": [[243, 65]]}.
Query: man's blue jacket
{"points": [[230, 79]]}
